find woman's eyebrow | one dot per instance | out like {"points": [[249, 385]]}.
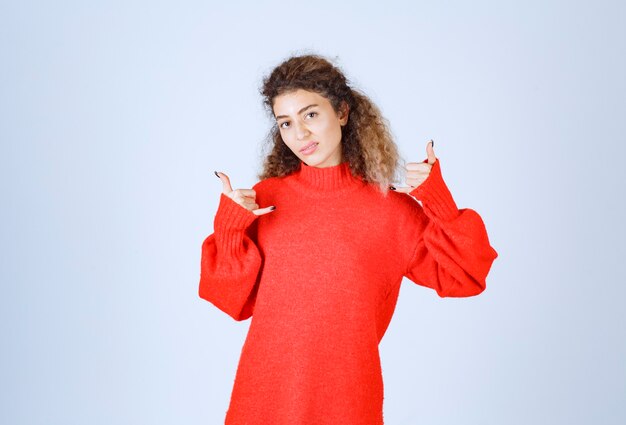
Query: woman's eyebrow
{"points": [[299, 112]]}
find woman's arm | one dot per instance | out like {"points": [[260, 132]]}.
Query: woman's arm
{"points": [[231, 261], [451, 252]]}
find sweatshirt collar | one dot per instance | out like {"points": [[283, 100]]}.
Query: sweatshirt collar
{"points": [[333, 178]]}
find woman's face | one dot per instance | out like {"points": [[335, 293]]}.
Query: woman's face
{"points": [[306, 118]]}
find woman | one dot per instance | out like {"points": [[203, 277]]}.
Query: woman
{"points": [[315, 252]]}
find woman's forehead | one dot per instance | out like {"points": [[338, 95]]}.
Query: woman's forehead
{"points": [[296, 100]]}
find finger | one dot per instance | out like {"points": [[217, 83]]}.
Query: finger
{"points": [[416, 181], [247, 193], [248, 204], [405, 189], [265, 210], [431, 152], [226, 187], [246, 200], [420, 167], [415, 177]]}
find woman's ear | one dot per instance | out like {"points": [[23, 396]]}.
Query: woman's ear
{"points": [[345, 110]]}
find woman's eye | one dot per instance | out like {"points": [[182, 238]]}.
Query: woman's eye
{"points": [[286, 122]]}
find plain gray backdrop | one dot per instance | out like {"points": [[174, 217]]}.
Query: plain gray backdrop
{"points": [[114, 115]]}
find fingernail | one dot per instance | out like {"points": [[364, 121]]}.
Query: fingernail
{"points": [[432, 143], [218, 176], [272, 208], [392, 188]]}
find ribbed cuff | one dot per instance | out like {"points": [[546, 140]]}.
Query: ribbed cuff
{"points": [[230, 224], [435, 195], [232, 216]]}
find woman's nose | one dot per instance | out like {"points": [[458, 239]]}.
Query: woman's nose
{"points": [[301, 131]]}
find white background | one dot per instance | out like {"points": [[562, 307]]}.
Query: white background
{"points": [[113, 117]]}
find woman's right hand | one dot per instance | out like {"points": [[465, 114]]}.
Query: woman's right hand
{"points": [[244, 197]]}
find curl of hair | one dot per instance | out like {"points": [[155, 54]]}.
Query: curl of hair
{"points": [[366, 141]]}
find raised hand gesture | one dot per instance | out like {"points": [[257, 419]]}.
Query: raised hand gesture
{"points": [[418, 172], [244, 197]]}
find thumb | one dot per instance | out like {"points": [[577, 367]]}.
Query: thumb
{"points": [[226, 187], [261, 211], [431, 152]]}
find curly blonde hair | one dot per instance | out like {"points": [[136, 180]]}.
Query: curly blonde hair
{"points": [[366, 140]]}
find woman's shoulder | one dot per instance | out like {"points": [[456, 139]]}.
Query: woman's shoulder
{"points": [[267, 189], [398, 201], [267, 184]]}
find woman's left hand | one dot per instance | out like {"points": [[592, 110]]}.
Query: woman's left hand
{"points": [[418, 172]]}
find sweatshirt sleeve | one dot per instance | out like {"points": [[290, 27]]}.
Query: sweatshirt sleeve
{"points": [[451, 252], [231, 261]]}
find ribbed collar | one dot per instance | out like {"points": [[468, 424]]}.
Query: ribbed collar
{"points": [[327, 179]]}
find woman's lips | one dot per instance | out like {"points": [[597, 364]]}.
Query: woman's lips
{"points": [[309, 149]]}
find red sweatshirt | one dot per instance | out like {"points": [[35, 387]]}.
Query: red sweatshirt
{"points": [[320, 277]]}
